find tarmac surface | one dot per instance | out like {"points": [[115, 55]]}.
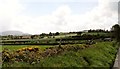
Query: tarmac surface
{"points": [[117, 61]]}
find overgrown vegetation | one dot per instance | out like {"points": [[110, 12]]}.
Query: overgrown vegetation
{"points": [[95, 48], [16, 47], [101, 54]]}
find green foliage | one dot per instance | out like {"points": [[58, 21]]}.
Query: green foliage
{"points": [[57, 33], [116, 32], [29, 55], [101, 54], [16, 47]]}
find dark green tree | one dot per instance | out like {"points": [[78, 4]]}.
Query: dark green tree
{"points": [[79, 33], [32, 36], [116, 32], [50, 34], [57, 33]]}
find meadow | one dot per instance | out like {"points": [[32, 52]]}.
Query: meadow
{"points": [[71, 50], [101, 54], [16, 47]]}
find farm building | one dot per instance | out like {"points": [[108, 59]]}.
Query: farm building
{"points": [[26, 37]]}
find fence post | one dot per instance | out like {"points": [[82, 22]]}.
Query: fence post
{"points": [[60, 43]]}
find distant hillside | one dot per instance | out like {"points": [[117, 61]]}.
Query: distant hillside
{"points": [[13, 33]]}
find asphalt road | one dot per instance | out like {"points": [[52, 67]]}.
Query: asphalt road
{"points": [[117, 61]]}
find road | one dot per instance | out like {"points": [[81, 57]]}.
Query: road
{"points": [[117, 61]]}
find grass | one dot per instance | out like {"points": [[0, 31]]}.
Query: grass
{"points": [[67, 35], [16, 47], [96, 33], [101, 54], [59, 36], [0, 48]]}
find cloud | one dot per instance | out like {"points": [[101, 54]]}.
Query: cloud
{"points": [[102, 16], [59, 1], [9, 9], [47, 23], [61, 13]]}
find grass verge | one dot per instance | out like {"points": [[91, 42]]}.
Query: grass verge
{"points": [[101, 54]]}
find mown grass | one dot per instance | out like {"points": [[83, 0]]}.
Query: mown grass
{"points": [[101, 54]]}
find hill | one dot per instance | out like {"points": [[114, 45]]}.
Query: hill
{"points": [[5, 33]]}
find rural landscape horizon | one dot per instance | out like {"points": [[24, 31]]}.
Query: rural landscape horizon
{"points": [[39, 16], [59, 34]]}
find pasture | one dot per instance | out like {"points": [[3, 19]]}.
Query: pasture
{"points": [[74, 51], [96, 33], [61, 36], [16, 47], [101, 54]]}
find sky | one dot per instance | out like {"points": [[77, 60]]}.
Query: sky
{"points": [[44, 16]]}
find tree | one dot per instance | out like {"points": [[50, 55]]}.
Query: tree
{"points": [[32, 36], [42, 35], [10, 36], [57, 33], [50, 34], [116, 32], [79, 33]]}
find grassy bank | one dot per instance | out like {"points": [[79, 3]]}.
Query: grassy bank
{"points": [[16, 47], [101, 54]]}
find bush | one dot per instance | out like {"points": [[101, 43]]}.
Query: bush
{"points": [[101, 54]]}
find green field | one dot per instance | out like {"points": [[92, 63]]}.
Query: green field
{"points": [[16, 47], [101, 54], [0, 48], [61, 36], [96, 33]]}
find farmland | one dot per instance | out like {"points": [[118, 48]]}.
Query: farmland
{"points": [[101, 54], [66, 39], [16, 47], [87, 49]]}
